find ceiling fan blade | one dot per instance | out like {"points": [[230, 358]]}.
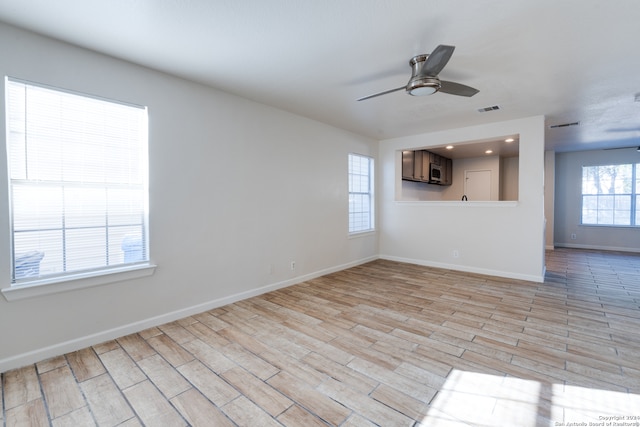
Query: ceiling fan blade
{"points": [[436, 61], [381, 93], [457, 89]]}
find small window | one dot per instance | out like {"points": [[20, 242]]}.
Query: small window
{"points": [[78, 183], [361, 200], [610, 195]]}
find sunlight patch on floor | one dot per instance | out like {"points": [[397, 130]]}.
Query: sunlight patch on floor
{"points": [[475, 399]]}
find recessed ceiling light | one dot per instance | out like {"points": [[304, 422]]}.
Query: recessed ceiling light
{"points": [[509, 140], [449, 147], [488, 152]]}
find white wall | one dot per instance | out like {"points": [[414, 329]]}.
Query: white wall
{"points": [[568, 203], [237, 191], [549, 196], [509, 178], [500, 238], [411, 190]]}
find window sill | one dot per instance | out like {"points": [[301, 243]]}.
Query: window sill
{"points": [[80, 281], [363, 233]]}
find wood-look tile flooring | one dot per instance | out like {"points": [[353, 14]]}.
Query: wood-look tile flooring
{"points": [[384, 343]]}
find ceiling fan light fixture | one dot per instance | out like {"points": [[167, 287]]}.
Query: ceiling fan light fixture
{"points": [[422, 91], [423, 86]]}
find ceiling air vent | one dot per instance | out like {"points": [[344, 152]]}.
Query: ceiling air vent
{"points": [[486, 109], [564, 125]]}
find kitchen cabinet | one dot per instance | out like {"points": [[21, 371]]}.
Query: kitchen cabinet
{"points": [[447, 171], [421, 165], [416, 166], [408, 170], [435, 159]]}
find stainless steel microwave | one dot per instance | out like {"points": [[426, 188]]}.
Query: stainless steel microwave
{"points": [[435, 173]]}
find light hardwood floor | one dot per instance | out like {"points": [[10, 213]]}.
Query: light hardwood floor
{"points": [[384, 343]]}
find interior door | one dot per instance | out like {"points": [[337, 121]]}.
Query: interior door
{"points": [[477, 185]]}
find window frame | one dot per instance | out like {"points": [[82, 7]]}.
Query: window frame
{"points": [[19, 288], [633, 198], [370, 194]]}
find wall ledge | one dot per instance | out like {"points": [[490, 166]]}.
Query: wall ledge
{"points": [[72, 283], [458, 203]]}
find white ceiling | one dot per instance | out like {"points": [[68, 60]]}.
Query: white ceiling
{"points": [[570, 60]]}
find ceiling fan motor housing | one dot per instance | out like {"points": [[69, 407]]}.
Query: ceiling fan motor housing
{"points": [[425, 85]]}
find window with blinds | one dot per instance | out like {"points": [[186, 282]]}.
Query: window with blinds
{"points": [[611, 195], [78, 183], [361, 217]]}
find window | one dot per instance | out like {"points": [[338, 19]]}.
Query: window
{"points": [[610, 195], [78, 183], [360, 194]]}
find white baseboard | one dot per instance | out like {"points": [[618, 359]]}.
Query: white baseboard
{"points": [[467, 269], [597, 247], [44, 353]]}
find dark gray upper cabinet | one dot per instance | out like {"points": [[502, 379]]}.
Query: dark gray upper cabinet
{"points": [[416, 166], [407, 166], [447, 171]]}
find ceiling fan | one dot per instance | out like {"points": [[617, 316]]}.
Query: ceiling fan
{"points": [[424, 76]]}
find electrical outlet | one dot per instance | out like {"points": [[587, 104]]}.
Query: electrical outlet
{"points": [[573, 236], [293, 265], [456, 253]]}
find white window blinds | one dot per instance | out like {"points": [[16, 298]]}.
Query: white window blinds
{"points": [[360, 193], [78, 182], [610, 195]]}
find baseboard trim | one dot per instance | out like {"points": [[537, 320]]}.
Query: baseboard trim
{"points": [[44, 353], [467, 269], [597, 247]]}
